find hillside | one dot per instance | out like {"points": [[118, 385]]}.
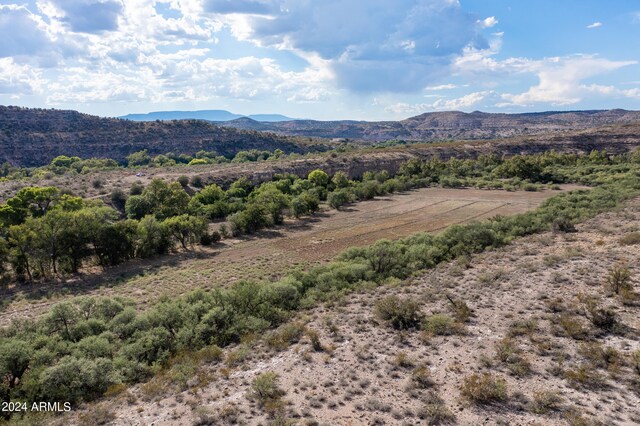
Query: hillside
{"points": [[614, 139], [210, 115], [33, 137], [445, 125], [528, 330]]}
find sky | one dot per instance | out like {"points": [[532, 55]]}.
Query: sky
{"points": [[320, 59]]}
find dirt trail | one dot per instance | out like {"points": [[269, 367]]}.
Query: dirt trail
{"points": [[272, 253]]}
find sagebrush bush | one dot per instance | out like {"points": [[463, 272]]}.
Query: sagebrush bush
{"points": [[402, 314], [265, 388], [441, 325], [484, 388]]}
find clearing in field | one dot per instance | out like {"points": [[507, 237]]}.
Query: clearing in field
{"points": [[270, 254]]}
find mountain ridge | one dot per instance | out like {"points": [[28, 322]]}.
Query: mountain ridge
{"points": [[33, 137], [448, 125], [205, 114]]}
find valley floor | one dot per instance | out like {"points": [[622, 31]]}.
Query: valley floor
{"points": [[269, 254]]}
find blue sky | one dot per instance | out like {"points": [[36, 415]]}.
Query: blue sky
{"points": [[329, 59]]}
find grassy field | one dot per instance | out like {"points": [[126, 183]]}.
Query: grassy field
{"points": [[301, 243]]}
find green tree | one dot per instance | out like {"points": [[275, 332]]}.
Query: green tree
{"points": [[15, 356], [140, 158], [153, 238], [186, 229], [318, 178], [339, 198], [340, 179]]}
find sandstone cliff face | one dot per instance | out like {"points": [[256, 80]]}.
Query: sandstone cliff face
{"points": [[33, 137]]}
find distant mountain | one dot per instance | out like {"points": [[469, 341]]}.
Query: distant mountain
{"points": [[436, 126], [33, 137], [209, 115]]}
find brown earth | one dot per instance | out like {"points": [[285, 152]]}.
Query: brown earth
{"points": [[532, 292], [268, 255]]}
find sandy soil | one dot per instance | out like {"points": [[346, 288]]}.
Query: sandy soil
{"points": [[361, 377], [300, 243]]}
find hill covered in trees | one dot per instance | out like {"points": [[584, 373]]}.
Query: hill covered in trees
{"points": [[33, 137]]}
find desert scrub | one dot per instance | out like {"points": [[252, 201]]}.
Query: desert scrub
{"points": [[461, 311], [630, 239], [401, 314], [314, 339], [265, 388], [484, 388], [571, 326], [584, 376], [544, 402], [441, 325], [619, 279], [434, 411], [511, 356], [523, 327], [285, 335], [421, 378]]}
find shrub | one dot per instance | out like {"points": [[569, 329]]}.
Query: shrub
{"points": [[265, 388], [584, 376], [619, 279], [484, 388], [285, 335], [435, 412], [196, 181], [562, 225], [544, 402], [118, 199], [339, 198], [461, 311], [183, 181], [421, 378], [630, 239], [402, 314], [314, 338], [441, 325]]}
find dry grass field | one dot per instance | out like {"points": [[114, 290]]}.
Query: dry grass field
{"points": [[269, 254], [532, 350]]}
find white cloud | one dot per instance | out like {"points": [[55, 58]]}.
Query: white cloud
{"points": [[18, 78], [371, 46], [595, 25], [489, 22], [441, 87], [464, 103], [560, 80]]}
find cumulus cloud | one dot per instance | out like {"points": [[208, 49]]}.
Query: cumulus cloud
{"points": [[21, 32], [19, 79], [372, 46], [464, 103], [561, 80], [595, 25]]}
